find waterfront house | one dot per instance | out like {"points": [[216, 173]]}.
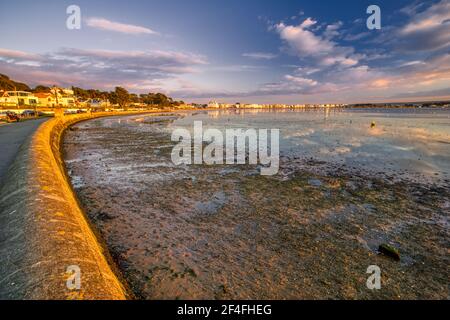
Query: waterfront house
{"points": [[17, 98], [46, 99], [65, 96], [5, 100], [56, 97]]}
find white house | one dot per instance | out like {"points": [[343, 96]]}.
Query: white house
{"points": [[17, 98]]}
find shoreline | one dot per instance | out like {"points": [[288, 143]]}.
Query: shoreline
{"points": [[36, 203]]}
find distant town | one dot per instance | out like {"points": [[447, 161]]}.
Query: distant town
{"points": [[437, 104], [16, 96]]}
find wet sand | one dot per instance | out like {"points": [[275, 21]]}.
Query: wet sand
{"points": [[226, 232]]}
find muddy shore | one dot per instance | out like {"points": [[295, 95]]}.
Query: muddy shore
{"points": [[225, 232]]}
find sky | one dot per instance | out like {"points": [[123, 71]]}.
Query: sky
{"points": [[252, 51]]}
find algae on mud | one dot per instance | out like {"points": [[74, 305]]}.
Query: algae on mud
{"points": [[225, 232]]}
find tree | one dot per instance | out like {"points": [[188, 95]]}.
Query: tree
{"points": [[80, 93], [157, 99], [9, 85], [120, 96], [134, 98], [41, 88]]}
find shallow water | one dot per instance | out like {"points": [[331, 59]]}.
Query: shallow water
{"points": [[411, 142], [311, 231]]}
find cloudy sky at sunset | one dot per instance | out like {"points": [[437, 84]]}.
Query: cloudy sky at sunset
{"points": [[248, 51]]}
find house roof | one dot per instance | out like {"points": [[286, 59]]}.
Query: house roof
{"points": [[43, 95]]}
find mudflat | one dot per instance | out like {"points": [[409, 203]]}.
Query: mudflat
{"points": [[226, 232]]}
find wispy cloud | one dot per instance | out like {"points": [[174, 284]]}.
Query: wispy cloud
{"points": [[236, 68], [331, 30], [432, 17], [426, 29], [102, 69], [16, 54], [105, 24], [260, 55], [358, 36]]}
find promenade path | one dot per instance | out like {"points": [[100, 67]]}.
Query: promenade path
{"points": [[12, 136]]}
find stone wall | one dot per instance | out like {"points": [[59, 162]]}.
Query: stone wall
{"points": [[43, 231]]}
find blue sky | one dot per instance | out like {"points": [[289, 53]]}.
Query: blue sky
{"points": [[250, 51]]}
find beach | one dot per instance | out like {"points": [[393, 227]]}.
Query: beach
{"points": [[309, 232]]}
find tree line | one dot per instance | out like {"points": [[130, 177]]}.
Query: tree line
{"points": [[122, 97], [119, 96]]}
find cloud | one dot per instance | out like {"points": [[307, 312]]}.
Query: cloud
{"points": [[301, 82], [101, 69], [158, 60], [291, 85], [325, 66], [105, 24], [420, 73], [308, 23], [260, 55], [433, 17], [358, 36], [306, 43], [15, 54], [331, 30], [236, 68], [426, 31], [445, 92], [412, 8], [307, 70]]}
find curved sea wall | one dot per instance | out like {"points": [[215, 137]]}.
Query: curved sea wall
{"points": [[45, 238]]}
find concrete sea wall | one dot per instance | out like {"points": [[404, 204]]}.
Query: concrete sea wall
{"points": [[43, 231]]}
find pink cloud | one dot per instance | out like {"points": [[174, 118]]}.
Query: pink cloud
{"points": [[105, 24], [16, 54]]}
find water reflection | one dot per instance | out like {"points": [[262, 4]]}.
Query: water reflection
{"points": [[410, 140]]}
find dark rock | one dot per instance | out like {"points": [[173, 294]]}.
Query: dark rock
{"points": [[103, 216], [389, 251]]}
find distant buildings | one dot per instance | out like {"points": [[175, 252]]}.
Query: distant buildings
{"points": [[213, 105], [238, 105], [94, 104]]}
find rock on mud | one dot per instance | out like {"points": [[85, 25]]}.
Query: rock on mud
{"points": [[389, 251]]}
